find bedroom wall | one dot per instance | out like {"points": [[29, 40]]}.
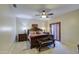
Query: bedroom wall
{"points": [[7, 28], [69, 29], [25, 24], [19, 27]]}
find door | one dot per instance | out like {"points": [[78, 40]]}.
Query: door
{"points": [[56, 30]]}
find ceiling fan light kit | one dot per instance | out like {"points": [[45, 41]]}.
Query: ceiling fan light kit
{"points": [[44, 16]]}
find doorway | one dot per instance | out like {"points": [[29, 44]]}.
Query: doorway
{"points": [[55, 29]]}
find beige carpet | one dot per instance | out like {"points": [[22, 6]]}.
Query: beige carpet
{"points": [[24, 48]]}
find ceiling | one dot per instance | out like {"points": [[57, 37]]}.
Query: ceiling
{"points": [[28, 11]]}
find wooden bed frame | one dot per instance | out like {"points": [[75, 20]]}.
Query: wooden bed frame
{"points": [[34, 40]]}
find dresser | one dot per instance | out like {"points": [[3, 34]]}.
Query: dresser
{"points": [[22, 37]]}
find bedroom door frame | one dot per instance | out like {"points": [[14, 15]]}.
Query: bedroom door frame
{"points": [[59, 29]]}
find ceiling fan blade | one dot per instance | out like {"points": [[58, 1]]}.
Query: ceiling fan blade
{"points": [[50, 14], [37, 15]]}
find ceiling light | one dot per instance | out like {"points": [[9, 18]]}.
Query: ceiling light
{"points": [[43, 16], [43, 13]]}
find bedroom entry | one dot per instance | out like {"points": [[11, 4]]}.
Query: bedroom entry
{"points": [[55, 29]]}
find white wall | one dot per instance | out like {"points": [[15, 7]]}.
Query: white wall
{"points": [[69, 29], [7, 29], [19, 27]]}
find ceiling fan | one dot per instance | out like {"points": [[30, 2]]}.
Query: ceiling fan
{"points": [[44, 14]]}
